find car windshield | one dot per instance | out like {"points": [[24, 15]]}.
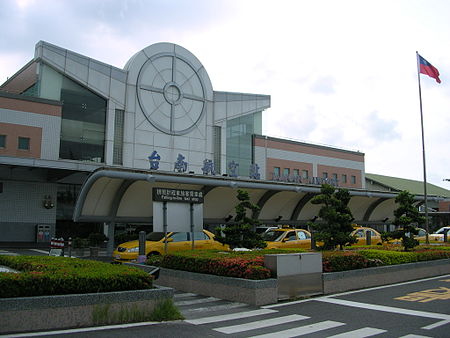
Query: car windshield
{"points": [[443, 230], [155, 236], [273, 235]]}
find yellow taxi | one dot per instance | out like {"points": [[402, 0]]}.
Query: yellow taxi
{"points": [[281, 238], [361, 232], [176, 241]]}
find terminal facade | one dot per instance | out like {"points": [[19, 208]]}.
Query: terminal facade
{"points": [[65, 115]]}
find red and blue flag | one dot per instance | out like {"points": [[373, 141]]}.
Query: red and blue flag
{"points": [[427, 68]]}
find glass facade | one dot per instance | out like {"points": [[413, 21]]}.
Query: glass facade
{"points": [[239, 141], [118, 137], [83, 116]]}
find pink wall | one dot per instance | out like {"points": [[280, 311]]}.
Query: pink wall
{"points": [[12, 132]]}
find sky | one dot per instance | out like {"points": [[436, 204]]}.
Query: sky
{"points": [[340, 73]]}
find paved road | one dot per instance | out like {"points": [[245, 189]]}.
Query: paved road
{"points": [[413, 309]]}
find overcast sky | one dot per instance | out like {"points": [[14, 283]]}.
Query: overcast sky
{"points": [[340, 73]]}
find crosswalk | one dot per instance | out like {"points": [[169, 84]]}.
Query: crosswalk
{"points": [[243, 320]]}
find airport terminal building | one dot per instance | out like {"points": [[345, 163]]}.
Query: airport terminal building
{"points": [[67, 119]]}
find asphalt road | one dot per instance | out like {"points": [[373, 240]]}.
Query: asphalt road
{"points": [[413, 309]]}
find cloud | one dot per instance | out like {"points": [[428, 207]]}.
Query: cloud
{"points": [[381, 130], [324, 85]]}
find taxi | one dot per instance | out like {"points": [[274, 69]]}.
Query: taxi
{"points": [[287, 238], [176, 241], [361, 232]]}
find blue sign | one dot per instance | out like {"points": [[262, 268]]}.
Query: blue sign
{"points": [[154, 160], [181, 164], [254, 171], [233, 167], [208, 167]]}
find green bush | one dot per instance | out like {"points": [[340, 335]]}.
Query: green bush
{"points": [[46, 275]]}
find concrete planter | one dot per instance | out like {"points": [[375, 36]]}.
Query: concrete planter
{"points": [[334, 282], [28, 314], [254, 292]]}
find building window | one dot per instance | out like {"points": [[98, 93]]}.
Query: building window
{"points": [[325, 174], [24, 143], [276, 171], [344, 178], [296, 172], [305, 174], [335, 177], [118, 136], [353, 179], [217, 142], [2, 141], [286, 172]]}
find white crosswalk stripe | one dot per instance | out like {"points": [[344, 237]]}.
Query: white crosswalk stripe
{"points": [[196, 301], [360, 333], [231, 316], [260, 324], [302, 330]]}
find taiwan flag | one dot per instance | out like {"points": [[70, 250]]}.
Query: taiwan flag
{"points": [[427, 68]]}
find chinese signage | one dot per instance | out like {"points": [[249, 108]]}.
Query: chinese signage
{"points": [[300, 180], [177, 195]]}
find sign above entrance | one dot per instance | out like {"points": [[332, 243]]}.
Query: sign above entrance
{"points": [[177, 195]]}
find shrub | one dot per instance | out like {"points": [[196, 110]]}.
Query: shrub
{"points": [[345, 260], [46, 275]]}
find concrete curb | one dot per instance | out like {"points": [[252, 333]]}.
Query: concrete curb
{"points": [[254, 292], [26, 314], [334, 282]]}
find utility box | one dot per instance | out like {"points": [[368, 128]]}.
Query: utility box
{"points": [[298, 274]]}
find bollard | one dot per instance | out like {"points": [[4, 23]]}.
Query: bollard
{"points": [[69, 245], [368, 238], [142, 238]]}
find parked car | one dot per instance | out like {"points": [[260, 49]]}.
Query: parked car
{"points": [[361, 234], [262, 229], [421, 237], [280, 238], [176, 241], [438, 236]]}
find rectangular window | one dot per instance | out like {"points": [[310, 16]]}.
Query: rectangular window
{"points": [[276, 171], [217, 141], [353, 179], [24, 143], [335, 177], [305, 174], [286, 171], [325, 174], [118, 137], [296, 172], [344, 178], [2, 141]]}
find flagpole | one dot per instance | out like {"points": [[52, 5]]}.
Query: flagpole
{"points": [[423, 150]]}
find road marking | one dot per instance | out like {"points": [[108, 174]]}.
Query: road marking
{"points": [[437, 324], [260, 324], [85, 329], [352, 292], [425, 296], [231, 316], [302, 330], [197, 301], [414, 336], [40, 251], [386, 308], [215, 308], [360, 333], [186, 294]]}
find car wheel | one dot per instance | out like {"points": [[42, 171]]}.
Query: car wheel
{"points": [[152, 254]]}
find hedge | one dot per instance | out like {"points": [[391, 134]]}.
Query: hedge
{"points": [[46, 275], [250, 264]]}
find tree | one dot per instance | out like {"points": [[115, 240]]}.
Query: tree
{"points": [[407, 219], [336, 216], [241, 233]]}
